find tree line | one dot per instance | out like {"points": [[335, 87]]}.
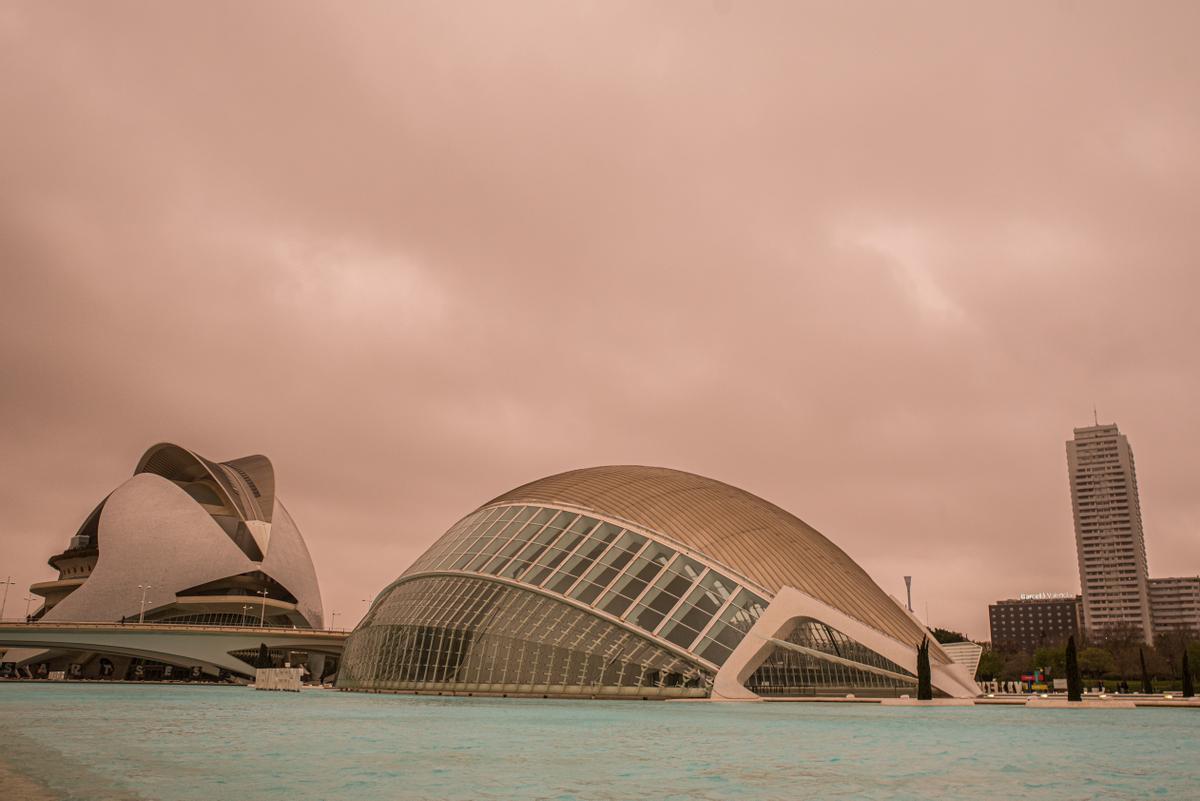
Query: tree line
{"points": [[1117, 656]]}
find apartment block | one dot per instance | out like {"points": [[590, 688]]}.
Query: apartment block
{"points": [[1175, 605], [1108, 532]]}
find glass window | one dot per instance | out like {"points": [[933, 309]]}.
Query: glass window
{"points": [[543, 516], [629, 586], [672, 585], [553, 556], [788, 672], [460, 633], [537, 546], [583, 557], [486, 550], [473, 546], [708, 596], [519, 541], [446, 551], [583, 525], [608, 567], [733, 624], [563, 520]]}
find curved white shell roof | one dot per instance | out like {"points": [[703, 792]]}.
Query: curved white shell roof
{"points": [[151, 531]]}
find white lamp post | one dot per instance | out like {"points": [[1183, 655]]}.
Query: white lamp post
{"points": [[262, 618], [247, 610], [333, 620], [142, 611], [28, 600], [8, 582]]}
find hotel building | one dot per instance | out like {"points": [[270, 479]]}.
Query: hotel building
{"points": [[1032, 621]]}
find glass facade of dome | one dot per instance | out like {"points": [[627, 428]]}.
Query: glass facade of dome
{"points": [[686, 614], [632, 581]]}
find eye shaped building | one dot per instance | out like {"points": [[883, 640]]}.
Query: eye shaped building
{"points": [[642, 582]]}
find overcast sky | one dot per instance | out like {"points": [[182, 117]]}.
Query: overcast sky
{"points": [[871, 262]]}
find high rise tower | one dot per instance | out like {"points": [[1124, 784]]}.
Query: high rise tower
{"points": [[1108, 532]]}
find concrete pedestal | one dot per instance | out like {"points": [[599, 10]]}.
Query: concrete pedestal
{"points": [[287, 679]]}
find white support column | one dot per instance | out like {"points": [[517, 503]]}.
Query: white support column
{"points": [[780, 616]]}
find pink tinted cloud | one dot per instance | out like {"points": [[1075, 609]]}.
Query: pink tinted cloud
{"points": [[871, 263]]}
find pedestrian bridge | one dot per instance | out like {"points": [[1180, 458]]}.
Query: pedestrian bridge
{"points": [[207, 646]]}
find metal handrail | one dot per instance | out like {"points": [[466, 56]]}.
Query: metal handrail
{"points": [[108, 624]]}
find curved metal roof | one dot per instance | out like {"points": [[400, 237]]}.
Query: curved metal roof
{"points": [[762, 542]]}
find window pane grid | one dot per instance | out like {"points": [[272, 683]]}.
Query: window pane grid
{"points": [[602, 565], [788, 672], [518, 641], [500, 538], [599, 544], [529, 555], [485, 534]]}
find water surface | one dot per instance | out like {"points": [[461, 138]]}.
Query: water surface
{"points": [[177, 743]]}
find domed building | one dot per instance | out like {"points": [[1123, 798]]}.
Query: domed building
{"points": [[186, 540], [643, 582]]}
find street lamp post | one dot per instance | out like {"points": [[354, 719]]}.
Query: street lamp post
{"points": [[142, 610], [333, 620], [8, 582], [28, 600], [247, 610], [262, 618]]}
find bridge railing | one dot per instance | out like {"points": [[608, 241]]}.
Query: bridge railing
{"points": [[151, 625]]}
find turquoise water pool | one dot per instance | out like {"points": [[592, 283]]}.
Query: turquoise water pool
{"points": [[100, 742]]}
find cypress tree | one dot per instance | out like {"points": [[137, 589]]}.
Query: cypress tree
{"points": [[264, 656], [924, 676], [1189, 691], [1147, 687], [1074, 680]]}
